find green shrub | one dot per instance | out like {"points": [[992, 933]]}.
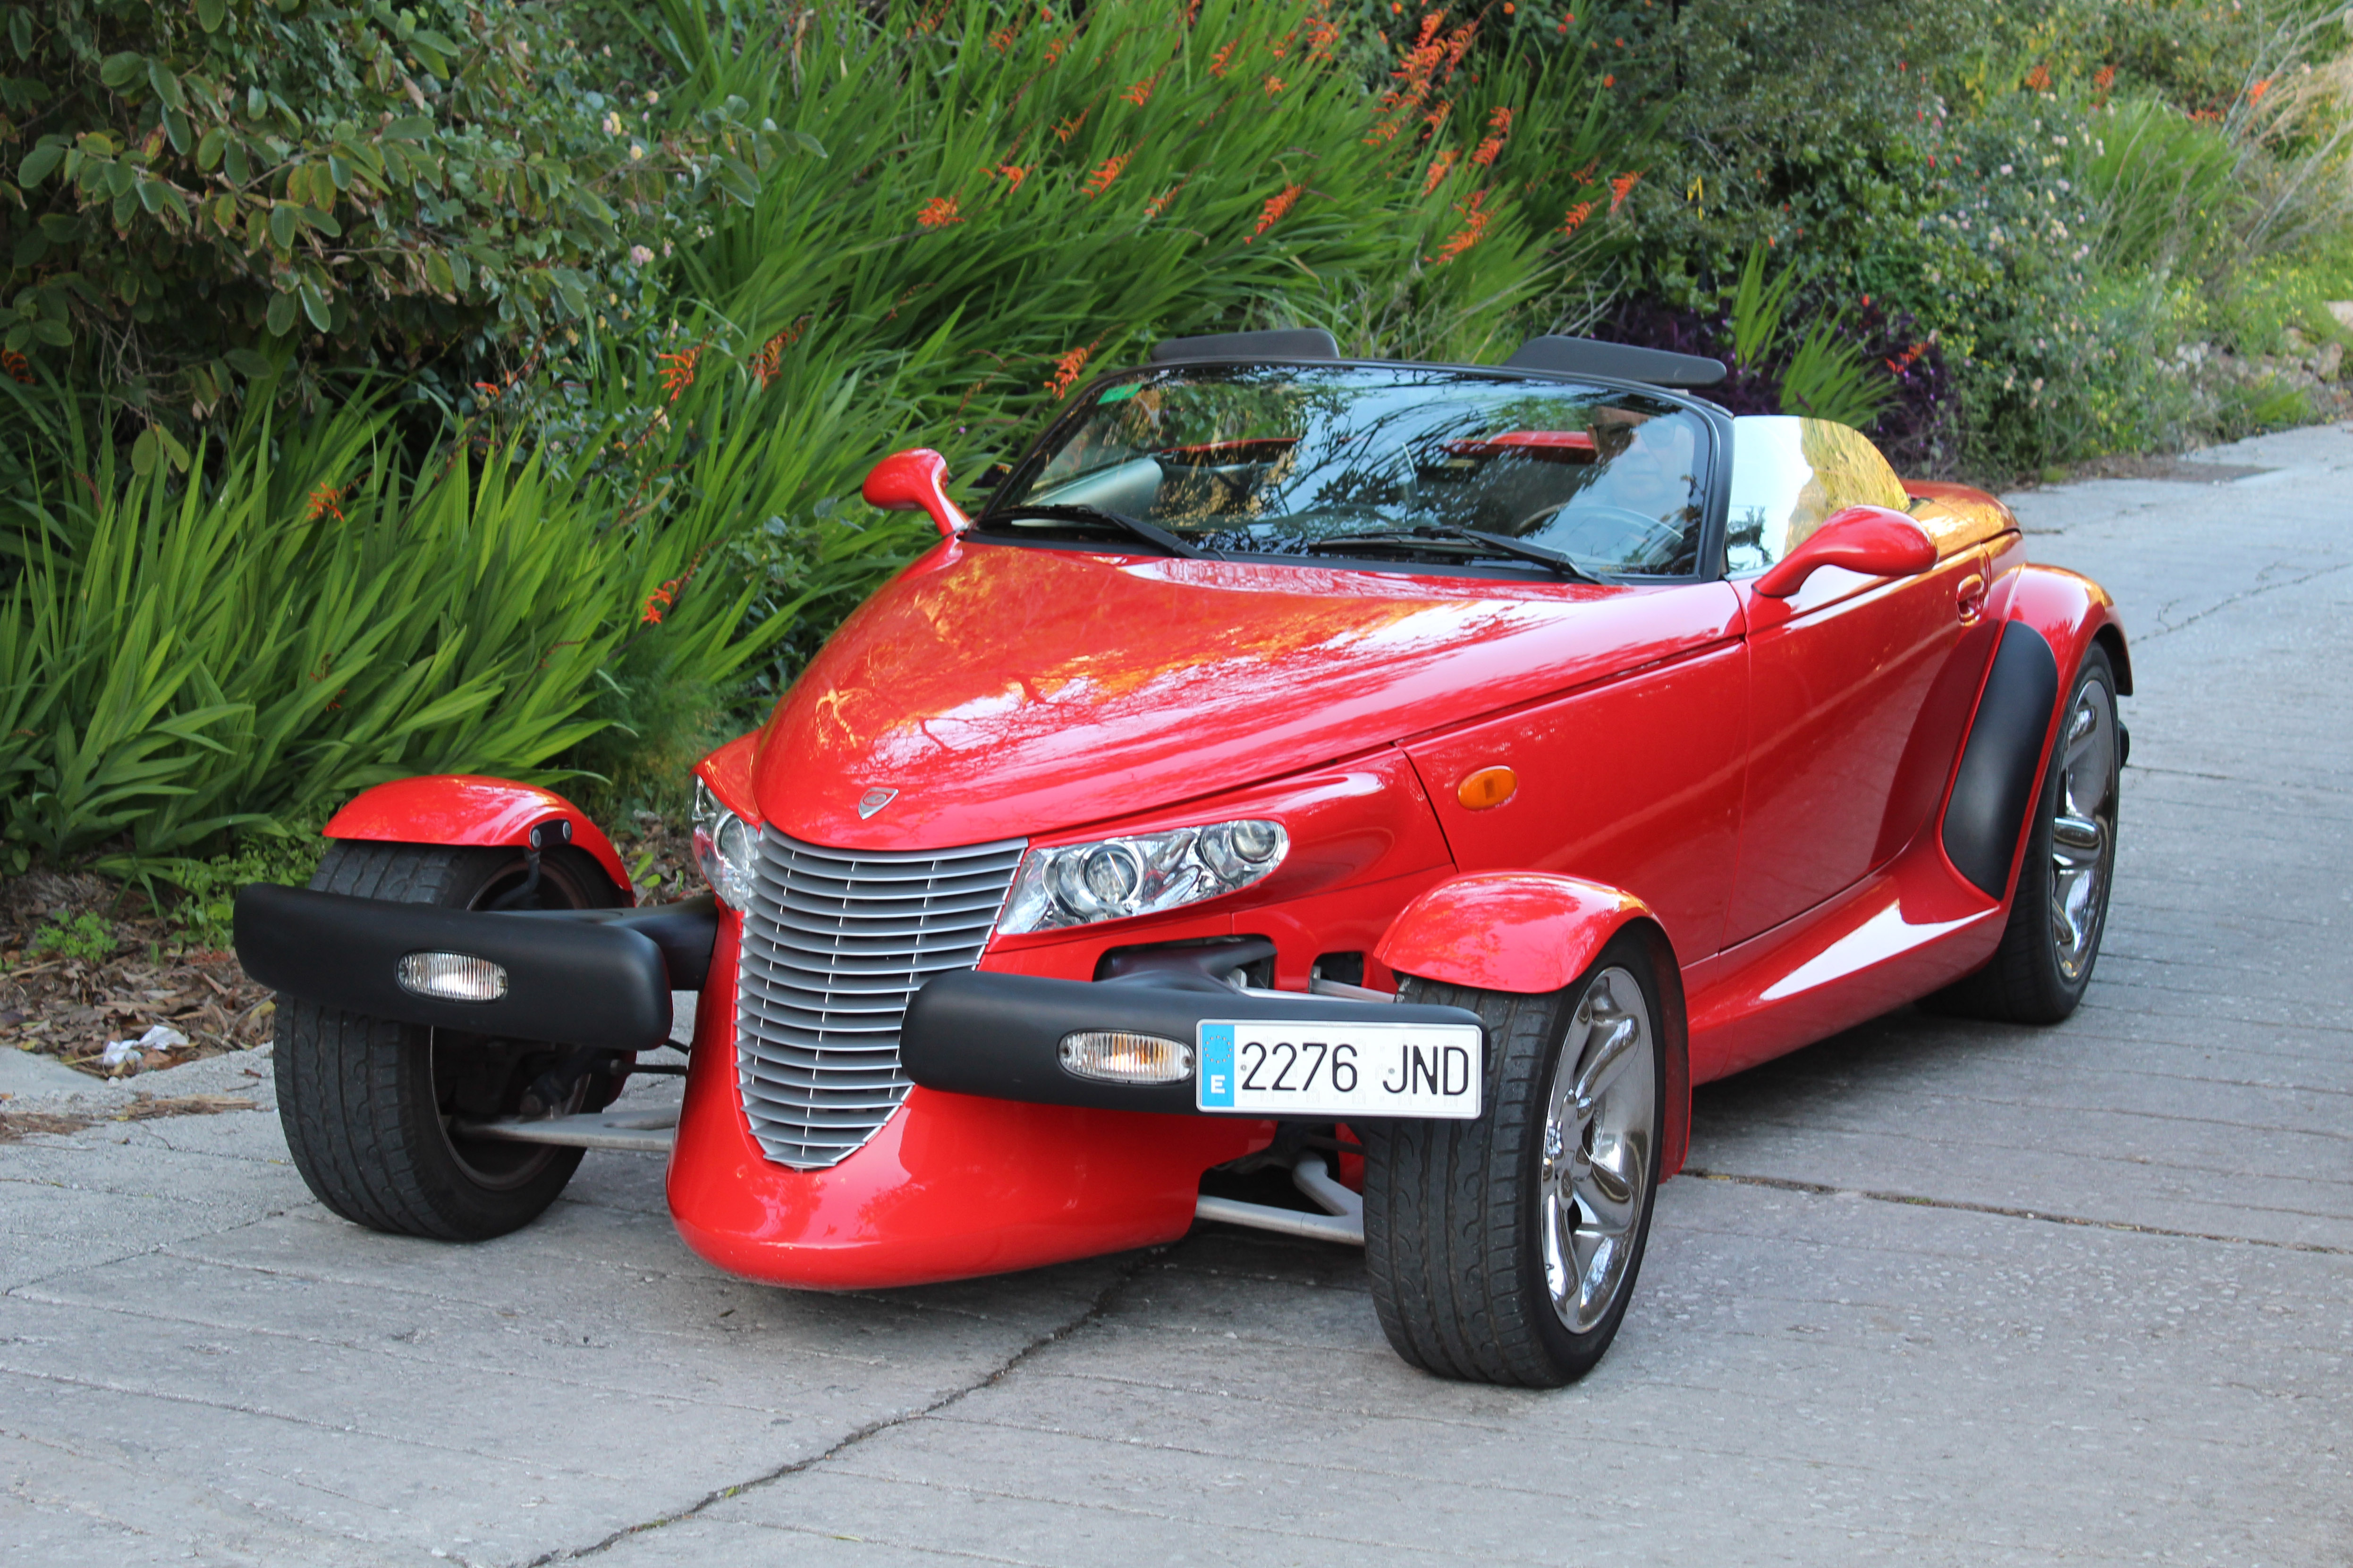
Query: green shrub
{"points": [[202, 192], [84, 937]]}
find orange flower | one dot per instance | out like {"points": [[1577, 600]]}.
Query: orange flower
{"points": [[1141, 93], [1101, 180], [1499, 126], [1002, 39], [2039, 78], [939, 212], [17, 366], [658, 600], [1474, 228], [1014, 174], [2105, 78], [1054, 49], [1159, 203], [1273, 85], [1069, 127], [771, 352], [327, 501], [1217, 61], [1619, 188], [1609, 81], [678, 371], [1903, 362], [1440, 167], [1574, 219], [2255, 93], [1272, 213], [1067, 369]]}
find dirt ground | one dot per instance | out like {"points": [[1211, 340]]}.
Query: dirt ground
{"points": [[133, 968]]}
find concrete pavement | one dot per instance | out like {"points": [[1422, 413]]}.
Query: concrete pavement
{"points": [[1946, 1292]]}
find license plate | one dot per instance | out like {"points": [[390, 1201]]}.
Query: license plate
{"points": [[1295, 1068]]}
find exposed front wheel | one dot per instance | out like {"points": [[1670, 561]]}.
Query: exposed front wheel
{"points": [[1505, 1249], [374, 1110]]}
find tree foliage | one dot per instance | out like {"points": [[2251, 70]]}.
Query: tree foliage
{"points": [[203, 194]]}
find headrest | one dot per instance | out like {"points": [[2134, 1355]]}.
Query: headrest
{"points": [[1300, 343]]}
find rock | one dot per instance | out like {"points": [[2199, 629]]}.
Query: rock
{"points": [[2343, 311], [2328, 360]]}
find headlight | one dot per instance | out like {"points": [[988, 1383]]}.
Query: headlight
{"points": [[1112, 878], [722, 843]]}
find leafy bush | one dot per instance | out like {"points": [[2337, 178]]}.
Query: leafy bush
{"points": [[83, 937], [200, 190], [236, 655]]}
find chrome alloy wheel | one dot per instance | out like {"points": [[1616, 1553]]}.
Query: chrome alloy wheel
{"points": [[1597, 1149], [2084, 829]]}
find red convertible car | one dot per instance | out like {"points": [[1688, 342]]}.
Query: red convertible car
{"points": [[1356, 799]]}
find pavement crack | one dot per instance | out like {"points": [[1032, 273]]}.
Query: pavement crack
{"points": [[2167, 628], [1106, 1301], [1913, 1200]]}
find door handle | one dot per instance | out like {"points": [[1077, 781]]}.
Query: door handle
{"points": [[1972, 596]]}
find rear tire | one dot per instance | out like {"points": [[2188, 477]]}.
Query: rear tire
{"points": [[1505, 1249], [368, 1103], [2041, 971]]}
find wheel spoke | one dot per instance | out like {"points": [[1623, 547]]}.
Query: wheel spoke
{"points": [[1604, 1063], [2077, 842], [1606, 1194]]}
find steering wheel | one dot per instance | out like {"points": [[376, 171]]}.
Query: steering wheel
{"points": [[1626, 538]]}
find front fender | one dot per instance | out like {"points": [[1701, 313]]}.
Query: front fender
{"points": [[1529, 931], [460, 808], [2052, 618], [1535, 931]]}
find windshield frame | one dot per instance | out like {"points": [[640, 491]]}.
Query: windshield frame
{"points": [[1714, 421]]}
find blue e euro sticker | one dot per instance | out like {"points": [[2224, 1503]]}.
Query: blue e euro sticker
{"points": [[1217, 1045]]}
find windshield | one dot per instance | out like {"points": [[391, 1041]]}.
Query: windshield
{"points": [[1375, 460]]}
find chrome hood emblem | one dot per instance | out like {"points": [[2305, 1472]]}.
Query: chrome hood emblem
{"points": [[874, 800]]}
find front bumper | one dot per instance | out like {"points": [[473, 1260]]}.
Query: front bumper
{"points": [[599, 978], [1000, 1035]]}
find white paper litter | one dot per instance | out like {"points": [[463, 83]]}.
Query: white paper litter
{"points": [[161, 1038]]}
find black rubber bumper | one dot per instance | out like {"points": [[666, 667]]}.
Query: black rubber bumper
{"points": [[600, 978], [1001, 1035]]}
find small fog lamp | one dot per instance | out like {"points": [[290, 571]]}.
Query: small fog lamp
{"points": [[451, 977], [1115, 1056]]}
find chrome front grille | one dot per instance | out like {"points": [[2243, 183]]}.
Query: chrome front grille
{"points": [[835, 944]]}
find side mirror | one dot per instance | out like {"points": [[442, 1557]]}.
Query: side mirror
{"points": [[916, 481], [1873, 539]]}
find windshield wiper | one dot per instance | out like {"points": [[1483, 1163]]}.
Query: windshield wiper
{"points": [[1424, 532], [1134, 527]]}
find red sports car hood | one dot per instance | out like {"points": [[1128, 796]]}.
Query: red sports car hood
{"points": [[1003, 691]]}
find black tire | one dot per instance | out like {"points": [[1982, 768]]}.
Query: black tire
{"points": [[367, 1103], [2041, 971], [1456, 1212]]}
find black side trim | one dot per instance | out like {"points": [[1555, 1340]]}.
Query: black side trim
{"points": [[2002, 764], [1621, 362], [1305, 343], [1001, 1035], [571, 982]]}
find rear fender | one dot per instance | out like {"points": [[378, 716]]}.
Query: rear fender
{"points": [[1536, 932], [458, 808], [2053, 619]]}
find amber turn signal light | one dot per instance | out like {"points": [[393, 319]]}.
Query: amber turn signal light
{"points": [[1487, 787]]}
